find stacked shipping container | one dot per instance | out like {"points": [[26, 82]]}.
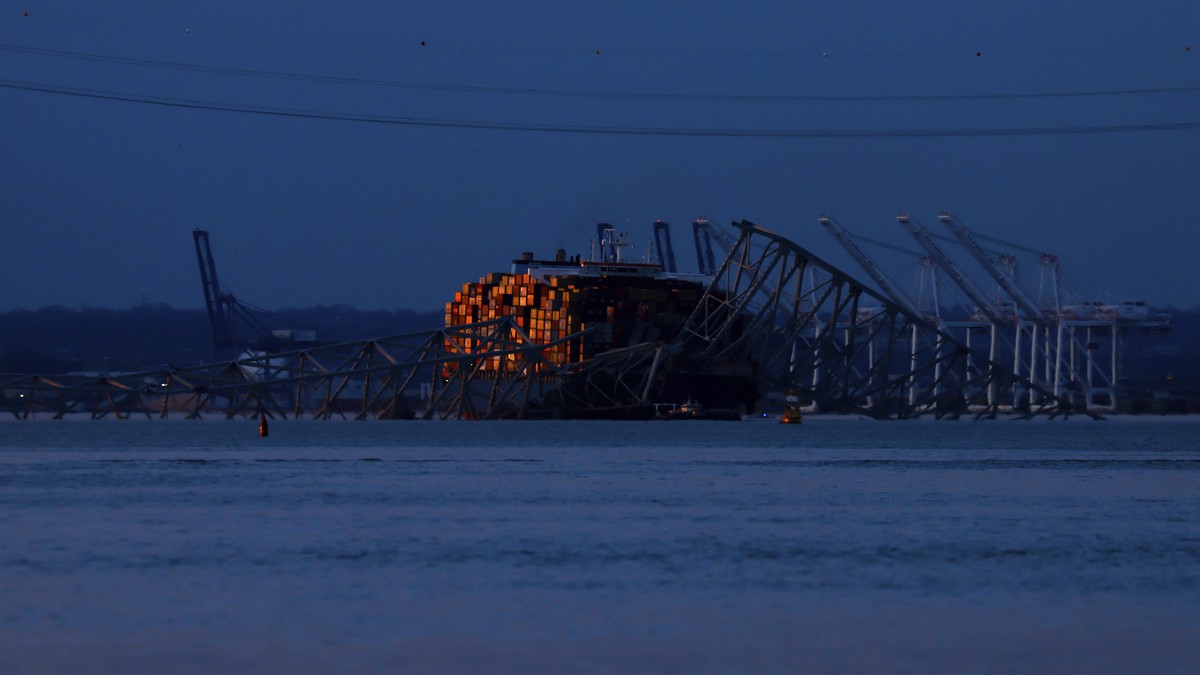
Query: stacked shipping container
{"points": [[622, 310]]}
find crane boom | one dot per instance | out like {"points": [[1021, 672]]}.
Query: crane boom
{"points": [[976, 296], [703, 233], [218, 303], [968, 242], [225, 312], [873, 270], [662, 242]]}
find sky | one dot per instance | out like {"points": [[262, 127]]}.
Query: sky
{"points": [[382, 154]]}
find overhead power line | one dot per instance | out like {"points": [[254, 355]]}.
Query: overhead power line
{"points": [[596, 130], [583, 93]]}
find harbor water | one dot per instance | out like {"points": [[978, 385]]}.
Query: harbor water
{"points": [[840, 544]]}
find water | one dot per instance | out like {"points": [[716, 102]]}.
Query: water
{"points": [[843, 544]]}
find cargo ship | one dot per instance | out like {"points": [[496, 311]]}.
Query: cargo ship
{"points": [[624, 304]]}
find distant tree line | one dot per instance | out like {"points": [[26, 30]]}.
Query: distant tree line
{"points": [[150, 336]]}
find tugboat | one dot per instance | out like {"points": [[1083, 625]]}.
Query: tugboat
{"points": [[791, 408], [690, 408]]}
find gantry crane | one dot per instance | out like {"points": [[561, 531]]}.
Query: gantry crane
{"points": [[995, 316], [873, 270], [868, 265], [960, 232], [235, 324], [703, 233], [662, 243], [224, 311], [1029, 316], [926, 301]]}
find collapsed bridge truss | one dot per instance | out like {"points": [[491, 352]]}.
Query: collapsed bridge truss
{"points": [[421, 374], [774, 315], [809, 326]]}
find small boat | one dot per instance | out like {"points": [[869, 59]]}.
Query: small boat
{"points": [[791, 408], [690, 408], [694, 410]]}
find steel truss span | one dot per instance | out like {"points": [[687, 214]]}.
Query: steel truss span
{"points": [[775, 319], [423, 374], [807, 326]]}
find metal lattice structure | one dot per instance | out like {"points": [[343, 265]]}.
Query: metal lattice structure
{"points": [[779, 315], [775, 318], [806, 325], [426, 374]]}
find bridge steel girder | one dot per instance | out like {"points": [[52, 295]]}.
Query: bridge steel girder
{"points": [[809, 326], [802, 323], [363, 379]]}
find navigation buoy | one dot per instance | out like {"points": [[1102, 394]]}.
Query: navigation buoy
{"points": [[262, 426]]}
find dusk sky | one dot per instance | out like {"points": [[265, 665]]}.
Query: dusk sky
{"points": [[381, 154]]}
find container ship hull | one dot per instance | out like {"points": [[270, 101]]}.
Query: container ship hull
{"points": [[610, 307]]}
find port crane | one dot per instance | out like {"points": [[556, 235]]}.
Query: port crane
{"points": [[662, 244], [868, 265], [982, 305], [928, 300], [1070, 320], [995, 316], [703, 234], [225, 312], [235, 324], [885, 284], [927, 296], [1047, 317], [1061, 361], [1004, 281]]}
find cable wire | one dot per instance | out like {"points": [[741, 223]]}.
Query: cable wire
{"points": [[598, 130], [580, 93]]}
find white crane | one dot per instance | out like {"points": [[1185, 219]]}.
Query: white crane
{"points": [[973, 293], [873, 270], [960, 232], [996, 316], [1045, 313], [886, 285]]}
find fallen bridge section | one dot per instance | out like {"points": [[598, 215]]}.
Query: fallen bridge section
{"points": [[774, 319], [485, 370]]}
